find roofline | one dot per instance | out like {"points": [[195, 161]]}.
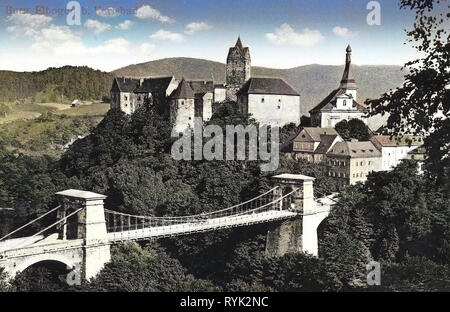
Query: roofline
{"points": [[273, 93]]}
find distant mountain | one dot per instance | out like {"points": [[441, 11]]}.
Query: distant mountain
{"points": [[313, 82]]}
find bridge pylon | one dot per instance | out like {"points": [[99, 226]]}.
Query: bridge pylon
{"points": [[300, 233], [88, 225]]}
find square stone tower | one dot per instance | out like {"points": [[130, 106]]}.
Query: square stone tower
{"points": [[238, 69]]}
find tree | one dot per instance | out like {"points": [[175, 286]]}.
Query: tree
{"points": [[138, 270], [414, 274], [422, 105], [3, 283], [391, 217], [353, 129]]}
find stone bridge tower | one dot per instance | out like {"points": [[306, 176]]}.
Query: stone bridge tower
{"points": [[299, 234], [88, 225], [80, 242], [238, 69]]}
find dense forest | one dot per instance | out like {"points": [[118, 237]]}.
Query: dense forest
{"points": [[55, 84]]}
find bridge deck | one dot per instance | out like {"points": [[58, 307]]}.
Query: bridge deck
{"points": [[206, 225]]}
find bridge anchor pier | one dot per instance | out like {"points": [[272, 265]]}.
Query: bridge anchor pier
{"points": [[298, 234]]}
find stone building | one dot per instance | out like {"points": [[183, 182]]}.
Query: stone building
{"points": [[394, 149], [312, 144], [128, 94], [156, 89], [418, 154], [220, 93], [204, 98], [271, 101], [341, 103], [238, 69], [182, 107], [122, 96], [351, 161]]}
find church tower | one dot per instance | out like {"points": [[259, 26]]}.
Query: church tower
{"points": [[348, 83], [238, 69]]}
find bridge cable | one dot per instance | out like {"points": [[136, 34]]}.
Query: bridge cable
{"points": [[50, 226], [191, 216], [32, 221]]}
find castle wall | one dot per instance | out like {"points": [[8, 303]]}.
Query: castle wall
{"points": [[274, 109], [219, 95], [330, 119], [207, 106]]}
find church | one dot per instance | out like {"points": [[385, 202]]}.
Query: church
{"points": [[270, 101], [341, 103]]}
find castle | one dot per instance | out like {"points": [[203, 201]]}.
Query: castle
{"points": [[271, 101]]}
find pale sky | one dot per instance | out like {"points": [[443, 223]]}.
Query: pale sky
{"points": [[280, 33]]}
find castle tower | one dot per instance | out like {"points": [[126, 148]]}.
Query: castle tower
{"points": [[182, 107], [348, 81], [238, 69]]}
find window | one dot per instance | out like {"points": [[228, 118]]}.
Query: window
{"points": [[345, 102], [262, 100], [139, 98], [126, 98], [182, 102]]}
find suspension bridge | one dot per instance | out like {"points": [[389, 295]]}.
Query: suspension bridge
{"points": [[84, 230]]}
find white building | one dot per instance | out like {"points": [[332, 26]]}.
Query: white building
{"points": [[341, 103], [270, 101], [394, 149]]}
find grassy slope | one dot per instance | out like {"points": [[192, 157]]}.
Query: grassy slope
{"points": [[54, 127]]}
